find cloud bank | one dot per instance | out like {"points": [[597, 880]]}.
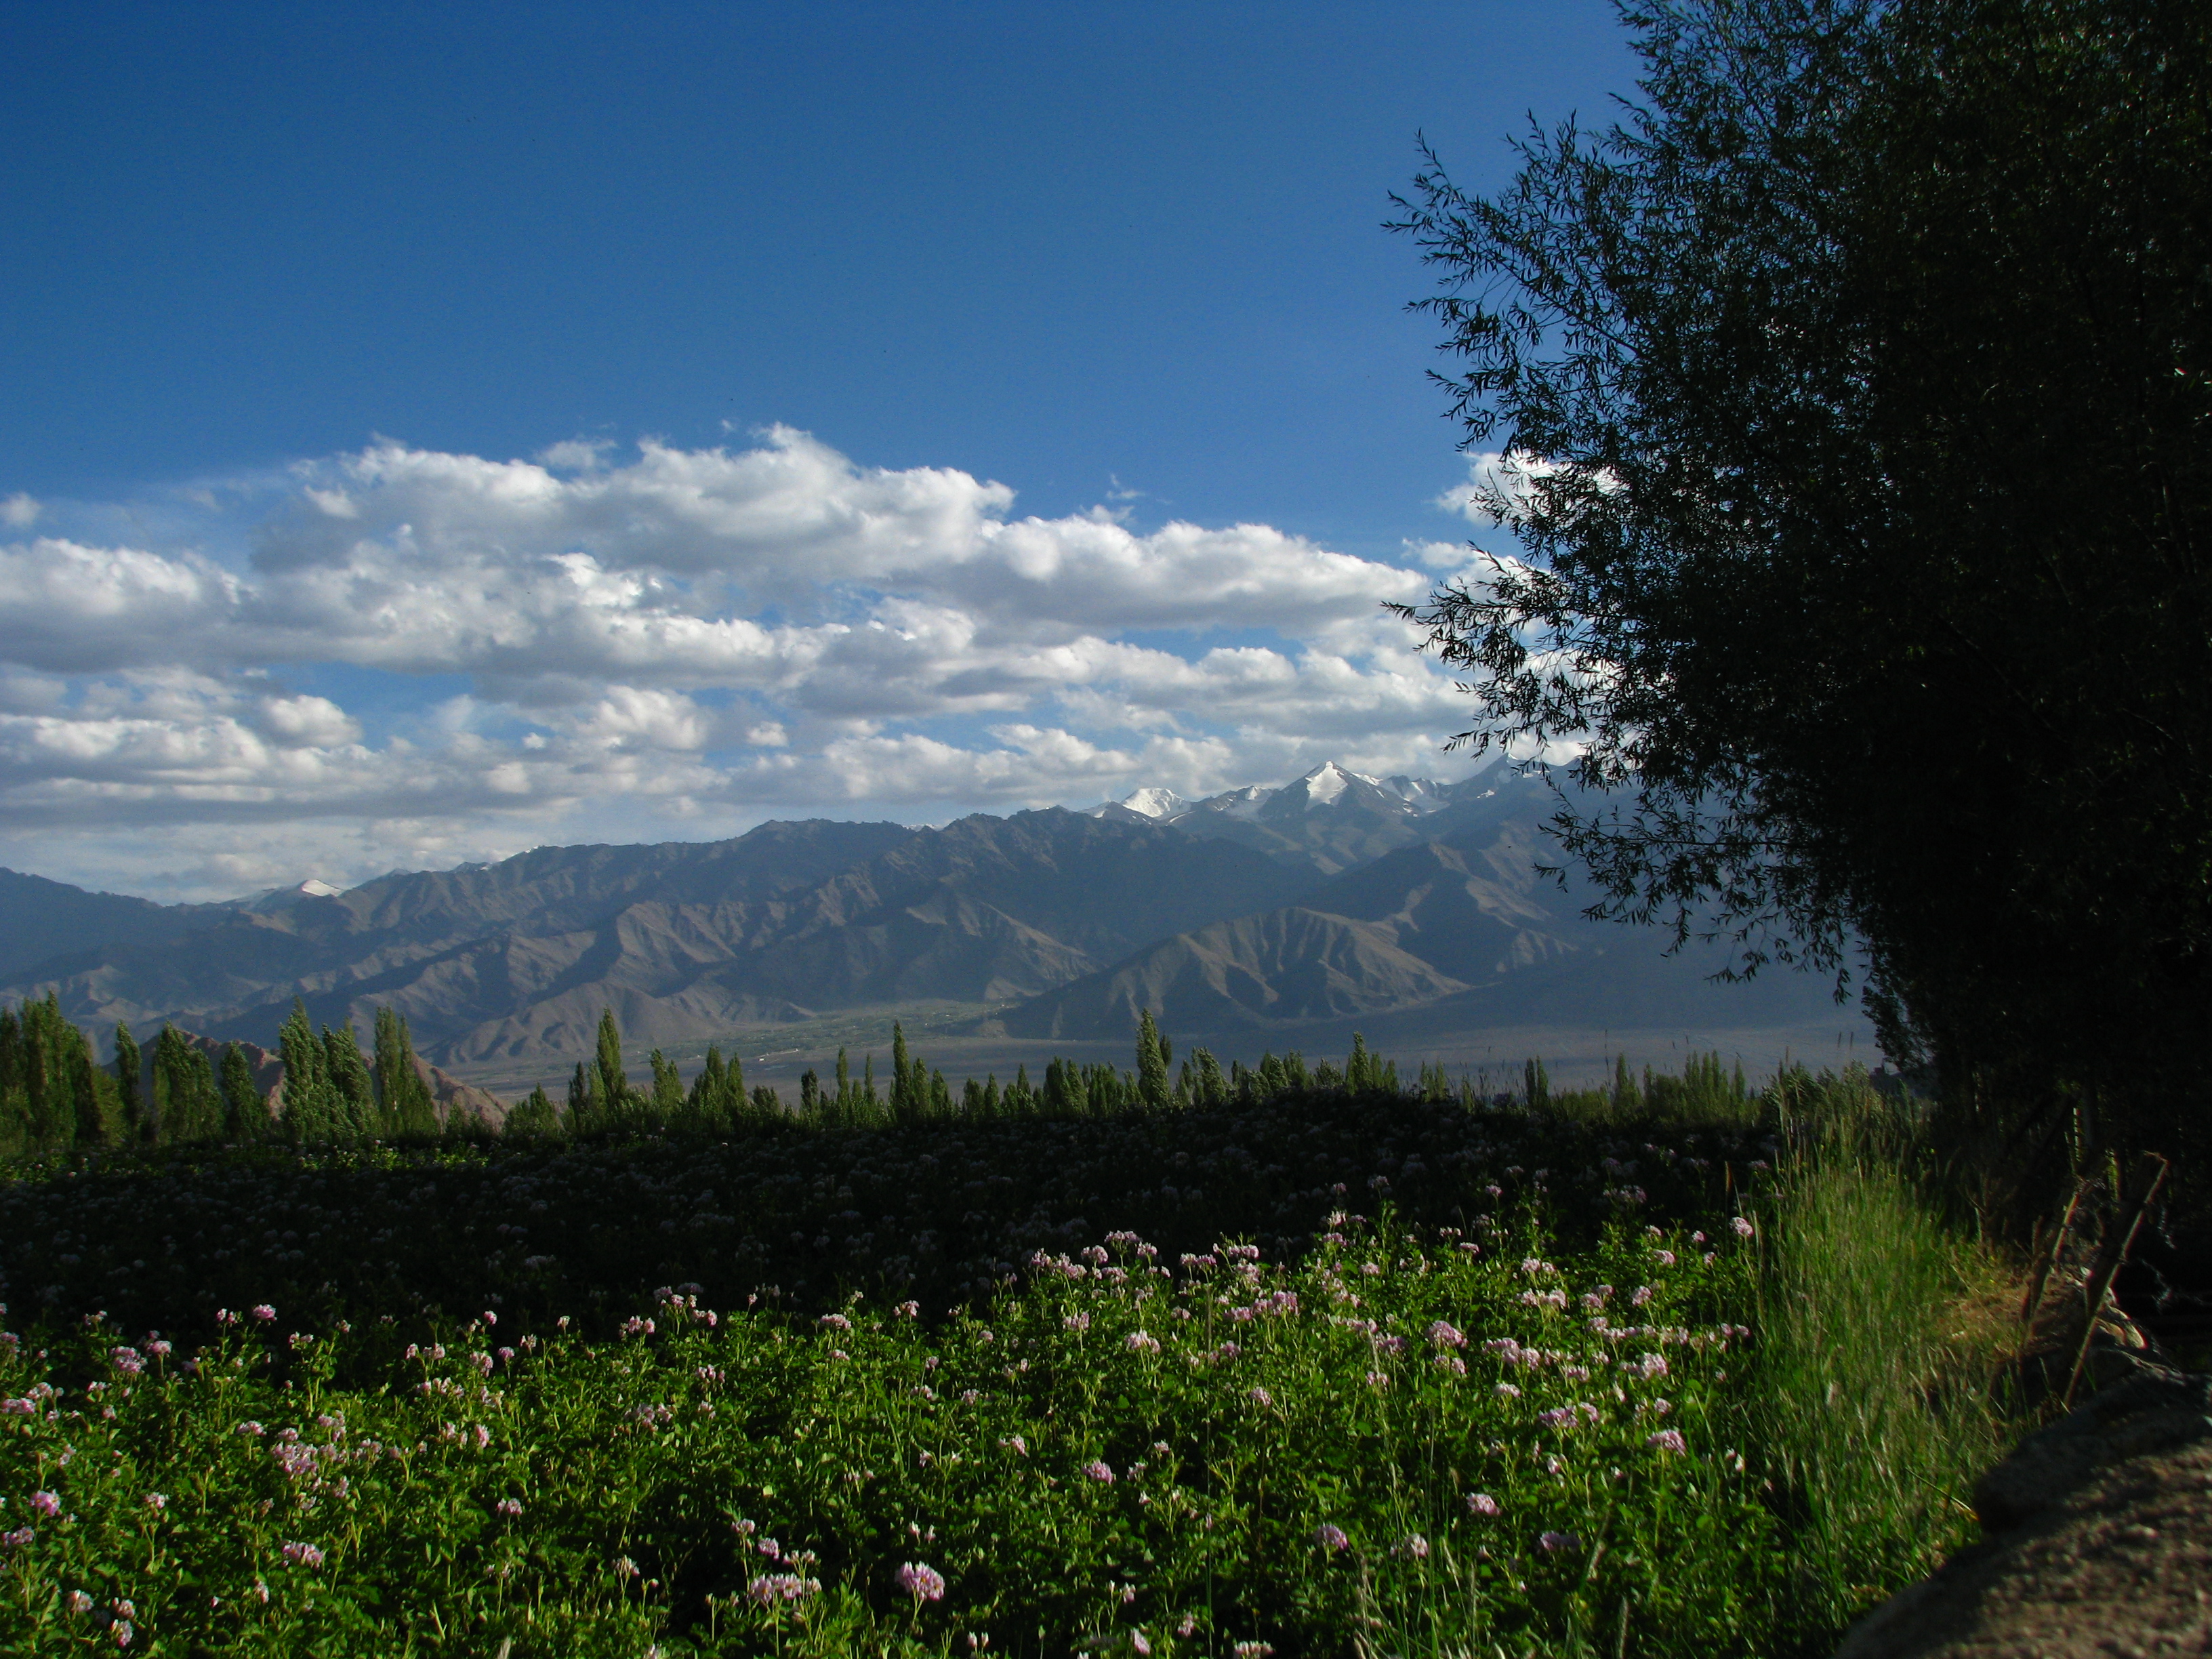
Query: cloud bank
{"points": [[399, 657]]}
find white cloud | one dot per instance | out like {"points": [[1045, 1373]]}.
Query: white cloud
{"points": [[682, 642]]}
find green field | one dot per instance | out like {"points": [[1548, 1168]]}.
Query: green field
{"points": [[1319, 1370]]}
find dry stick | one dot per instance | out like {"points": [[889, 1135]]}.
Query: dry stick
{"points": [[2109, 1259], [2046, 1259]]}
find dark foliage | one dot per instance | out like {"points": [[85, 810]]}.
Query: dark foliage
{"points": [[1854, 397]]}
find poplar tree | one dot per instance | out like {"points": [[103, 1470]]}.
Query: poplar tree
{"points": [[1151, 1062], [129, 1064], [666, 1101], [187, 1106], [307, 1113], [585, 1116], [614, 1087], [910, 1082], [245, 1114], [405, 1111], [354, 1108], [14, 1110]]}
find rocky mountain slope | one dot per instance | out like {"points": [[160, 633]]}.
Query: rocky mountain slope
{"points": [[1335, 896], [1461, 921], [681, 940]]}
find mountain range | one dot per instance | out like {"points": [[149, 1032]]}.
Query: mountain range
{"points": [[1335, 895]]}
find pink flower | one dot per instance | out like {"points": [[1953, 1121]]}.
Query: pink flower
{"points": [[47, 1503], [18, 1539], [836, 1321], [771, 1587], [1482, 1503], [1446, 1335], [19, 1408], [1554, 1543], [1143, 1342], [129, 1361], [1260, 1396], [922, 1580], [1330, 1536], [305, 1555], [1417, 1546], [1667, 1440], [160, 1349], [264, 1312], [1742, 1226], [79, 1601], [1099, 1470], [121, 1631], [510, 1507]]}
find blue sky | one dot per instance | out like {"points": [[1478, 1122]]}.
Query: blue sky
{"points": [[437, 431]]}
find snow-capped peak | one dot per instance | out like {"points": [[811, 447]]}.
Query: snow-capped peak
{"points": [[1328, 780], [1156, 803], [283, 898]]}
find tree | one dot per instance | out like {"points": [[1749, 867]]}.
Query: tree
{"points": [[1151, 1062], [354, 1111], [187, 1103], [130, 1069], [404, 1109], [536, 1116], [309, 1114], [1849, 402], [584, 1105], [614, 1087], [668, 1099], [245, 1114]]}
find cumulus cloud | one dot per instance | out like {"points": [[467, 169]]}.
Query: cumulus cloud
{"points": [[685, 641]]}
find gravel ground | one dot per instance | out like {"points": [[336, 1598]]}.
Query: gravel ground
{"points": [[2097, 1540]]}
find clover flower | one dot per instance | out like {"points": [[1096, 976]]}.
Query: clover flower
{"points": [[48, 1503], [922, 1580], [772, 1587], [1557, 1543], [1667, 1440], [1481, 1504], [1330, 1536], [304, 1555], [1099, 1470]]}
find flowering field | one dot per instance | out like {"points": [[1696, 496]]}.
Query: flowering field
{"points": [[908, 1391]]}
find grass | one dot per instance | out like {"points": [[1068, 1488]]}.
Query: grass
{"points": [[1883, 1326], [928, 1347]]}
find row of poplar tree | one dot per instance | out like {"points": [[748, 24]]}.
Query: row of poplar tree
{"points": [[55, 1093], [602, 1098]]}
